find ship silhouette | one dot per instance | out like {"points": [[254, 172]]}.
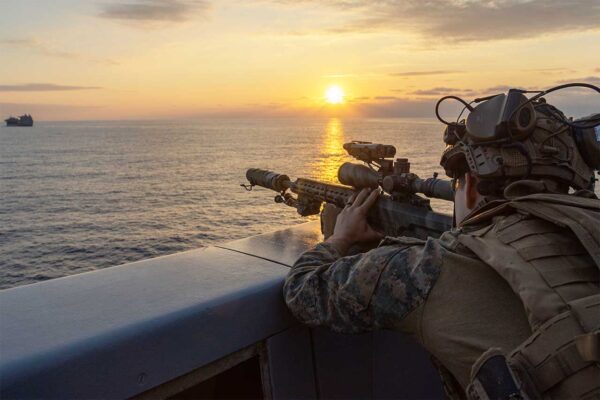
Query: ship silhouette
{"points": [[23, 120]]}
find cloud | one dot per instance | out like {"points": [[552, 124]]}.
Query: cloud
{"points": [[441, 91], [153, 10], [425, 73], [550, 70], [498, 89], [465, 20], [395, 108], [45, 50], [377, 108], [573, 104], [594, 80], [385, 98], [445, 91], [43, 87]]}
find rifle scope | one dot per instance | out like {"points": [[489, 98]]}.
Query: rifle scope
{"points": [[361, 176], [430, 187], [358, 176]]}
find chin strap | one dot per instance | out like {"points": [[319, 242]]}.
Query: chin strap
{"points": [[526, 187]]}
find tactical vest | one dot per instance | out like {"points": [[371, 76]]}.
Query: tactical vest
{"points": [[547, 247]]}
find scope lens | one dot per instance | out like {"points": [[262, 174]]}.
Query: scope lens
{"points": [[358, 176]]}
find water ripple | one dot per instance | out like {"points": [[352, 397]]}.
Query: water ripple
{"points": [[80, 196]]}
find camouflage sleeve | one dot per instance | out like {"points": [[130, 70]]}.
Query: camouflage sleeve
{"points": [[373, 290]]}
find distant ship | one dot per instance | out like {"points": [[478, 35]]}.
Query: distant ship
{"points": [[23, 120]]}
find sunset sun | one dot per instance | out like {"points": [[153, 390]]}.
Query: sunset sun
{"points": [[334, 94]]}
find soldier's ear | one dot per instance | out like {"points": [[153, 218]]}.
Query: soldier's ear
{"points": [[472, 195]]}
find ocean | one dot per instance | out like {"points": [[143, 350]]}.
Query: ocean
{"points": [[81, 196]]}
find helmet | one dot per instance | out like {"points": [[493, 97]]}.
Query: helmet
{"points": [[508, 138]]}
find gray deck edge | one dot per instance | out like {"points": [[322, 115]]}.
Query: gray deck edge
{"points": [[127, 359]]}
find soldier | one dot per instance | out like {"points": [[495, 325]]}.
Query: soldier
{"points": [[507, 303]]}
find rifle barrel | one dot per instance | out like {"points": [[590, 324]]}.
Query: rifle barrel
{"points": [[327, 192], [268, 179]]}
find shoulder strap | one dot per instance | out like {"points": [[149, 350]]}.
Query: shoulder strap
{"points": [[584, 221], [581, 215]]}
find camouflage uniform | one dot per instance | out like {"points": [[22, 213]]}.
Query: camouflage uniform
{"points": [[458, 306], [366, 291], [422, 288]]}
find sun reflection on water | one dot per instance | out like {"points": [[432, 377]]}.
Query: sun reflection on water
{"points": [[332, 152]]}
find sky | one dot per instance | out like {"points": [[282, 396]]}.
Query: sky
{"points": [[155, 59]]}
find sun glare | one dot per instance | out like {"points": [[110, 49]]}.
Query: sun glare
{"points": [[334, 94]]}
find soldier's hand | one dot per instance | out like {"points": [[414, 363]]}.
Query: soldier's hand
{"points": [[351, 226]]}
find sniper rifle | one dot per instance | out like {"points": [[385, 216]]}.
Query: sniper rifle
{"points": [[399, 211]]}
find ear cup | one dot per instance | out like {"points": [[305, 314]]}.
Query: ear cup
{"points": [[523, 122], [454, 132]]}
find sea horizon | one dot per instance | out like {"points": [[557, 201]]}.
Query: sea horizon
{"points": [[85, 195], [235, 117]]}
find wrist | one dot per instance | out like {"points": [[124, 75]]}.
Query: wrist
{"points": [[341, 244]]}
